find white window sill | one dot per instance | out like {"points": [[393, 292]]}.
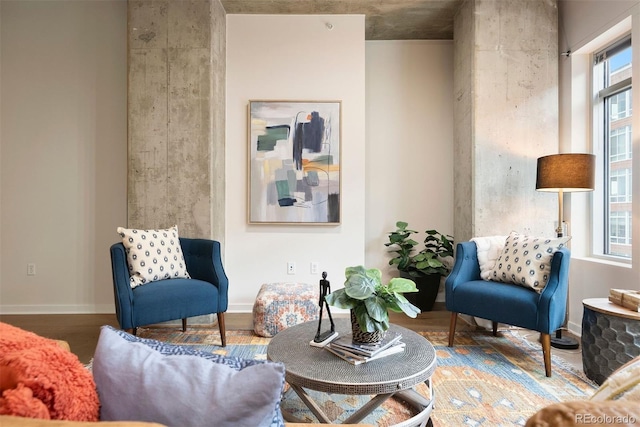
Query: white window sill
{"points": [[604, 261]]}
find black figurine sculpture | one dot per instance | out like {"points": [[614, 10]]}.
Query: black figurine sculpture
{"points": [[323, 338]]}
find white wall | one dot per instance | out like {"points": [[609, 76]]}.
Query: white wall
{"points": [[63, 143], [293, 58], [409, 170], [582, 23]]}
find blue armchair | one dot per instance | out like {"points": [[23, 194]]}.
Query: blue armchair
{"points": [[205, 293], [507, 303]]}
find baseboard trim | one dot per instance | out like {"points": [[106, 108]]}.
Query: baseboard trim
{"points": [[58, 309]]}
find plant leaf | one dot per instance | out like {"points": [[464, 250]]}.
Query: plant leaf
{"points": [[340, 299], [361, 283], [376, 308], [366, 323], [401, 305], [434, 262], [401, 285]]}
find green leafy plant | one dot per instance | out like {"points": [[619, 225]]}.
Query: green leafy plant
{"points": [[426, 262], [371, 300]]}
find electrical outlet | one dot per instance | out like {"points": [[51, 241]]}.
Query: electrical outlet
{"points": [[291, 267], [314, 267], [31, 269]]}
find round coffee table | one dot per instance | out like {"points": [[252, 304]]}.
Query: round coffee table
{"points": [[314, 368]]}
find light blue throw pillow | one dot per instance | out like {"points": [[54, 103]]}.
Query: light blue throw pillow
{"points": [[146, 380]]}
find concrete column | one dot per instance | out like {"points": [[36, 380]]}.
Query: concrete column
{"points": [[506, 115], [176, 116]]}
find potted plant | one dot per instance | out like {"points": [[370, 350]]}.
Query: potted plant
{"points": [[370, 300], [425, 267]]}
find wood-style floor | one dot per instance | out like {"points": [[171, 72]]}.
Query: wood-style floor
{"points": [[81, 330]]}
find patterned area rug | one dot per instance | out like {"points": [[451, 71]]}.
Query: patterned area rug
{"points": [[482, 381]]}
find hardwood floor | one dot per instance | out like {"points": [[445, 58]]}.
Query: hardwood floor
{"points": [[81, 331]]}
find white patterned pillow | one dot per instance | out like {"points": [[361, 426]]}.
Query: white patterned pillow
{"points": [[526, 260], [153, 255]]}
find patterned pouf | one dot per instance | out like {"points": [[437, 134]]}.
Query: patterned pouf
{"points": [[280, 305]]}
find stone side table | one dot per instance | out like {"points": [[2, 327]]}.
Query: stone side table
{"points": [[610, 337]]}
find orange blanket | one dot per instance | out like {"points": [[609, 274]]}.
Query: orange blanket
{"points": [[39, 379]]}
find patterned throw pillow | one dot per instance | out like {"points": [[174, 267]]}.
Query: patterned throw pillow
{"points": [[526, 260], [146, 380], [153, 255]]}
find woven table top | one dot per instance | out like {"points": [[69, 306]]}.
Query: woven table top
{"points": [[318, 369]]}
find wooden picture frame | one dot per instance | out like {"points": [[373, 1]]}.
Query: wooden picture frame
{"points": [[294, 162]]}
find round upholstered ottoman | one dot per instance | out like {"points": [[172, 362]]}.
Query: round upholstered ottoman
{"points": [[280, 305]]}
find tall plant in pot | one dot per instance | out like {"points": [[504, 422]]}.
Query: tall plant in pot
{"points": [[425, 267], [370, 301]]}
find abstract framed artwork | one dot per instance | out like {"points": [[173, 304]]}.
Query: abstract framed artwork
{"points": [[294, 162]]}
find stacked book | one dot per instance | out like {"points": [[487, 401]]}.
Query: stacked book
{"points": [[357, 353], [626, 298]]}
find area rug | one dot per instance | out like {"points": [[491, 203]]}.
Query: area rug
{"points": [[482, 381]]}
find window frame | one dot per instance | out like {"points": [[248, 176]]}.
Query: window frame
{"points": [[601, 140]]}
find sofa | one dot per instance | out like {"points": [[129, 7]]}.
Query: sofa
{"points": [[43, 384]]}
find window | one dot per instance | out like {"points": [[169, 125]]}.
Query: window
{"points": [[620, 144], [620, 105], [613, 113], [620, 187]]}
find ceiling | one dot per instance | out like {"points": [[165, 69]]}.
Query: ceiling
{"points": [[384, 19]]}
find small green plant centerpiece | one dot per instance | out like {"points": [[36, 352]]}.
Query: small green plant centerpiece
{"points": [[425, 267], [369, 301]]}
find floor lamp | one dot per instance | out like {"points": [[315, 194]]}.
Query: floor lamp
{"points": [[560, 173]]}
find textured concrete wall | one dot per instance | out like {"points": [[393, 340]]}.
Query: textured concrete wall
{"points": [[176, 116], [506, 67], [463, 161], [218, 122]]}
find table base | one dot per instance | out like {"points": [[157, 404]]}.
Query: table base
{"points": [[411, 397]]}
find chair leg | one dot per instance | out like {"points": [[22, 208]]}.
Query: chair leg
{"points": [[184, 325], [452, 327], [545, 339], [132, 331], [223, 334], [495, 328]]}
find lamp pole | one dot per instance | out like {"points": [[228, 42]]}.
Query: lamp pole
{"points": [[560, 173], [559, 229]]}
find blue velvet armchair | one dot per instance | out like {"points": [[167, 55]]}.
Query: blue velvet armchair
{"points": [[508, 303], [171, 299]]}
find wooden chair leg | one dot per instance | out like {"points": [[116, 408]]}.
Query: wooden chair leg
{"points": [[452, 327], [184, 325], [495, 328], [545, 339], [133, 331], [223, 333]]}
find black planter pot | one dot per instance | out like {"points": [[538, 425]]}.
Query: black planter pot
{"points": [[428, 287]]}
